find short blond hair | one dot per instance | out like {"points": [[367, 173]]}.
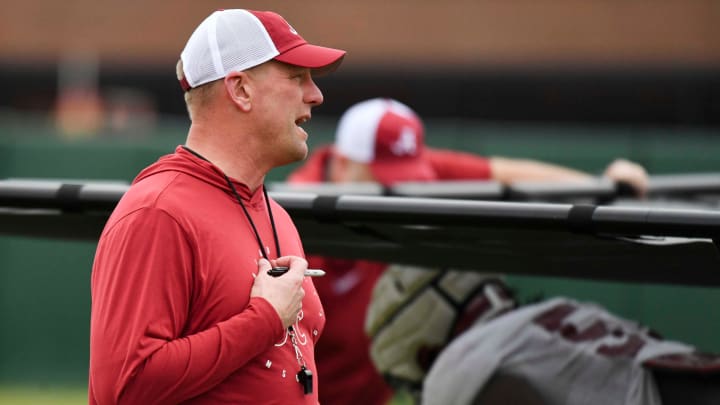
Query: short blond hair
{"points": [[195, 97]]}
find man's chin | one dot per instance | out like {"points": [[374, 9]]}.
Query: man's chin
{"points": [[303, 151], [298, 155]]}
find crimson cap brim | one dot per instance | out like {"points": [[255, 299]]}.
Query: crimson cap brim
{"points": [[319, 58]]}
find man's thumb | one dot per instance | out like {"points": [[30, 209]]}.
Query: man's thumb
{"points": [[263, 264]]}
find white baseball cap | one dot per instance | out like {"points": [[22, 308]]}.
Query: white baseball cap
{"points": [[236, 40], [388, 136]]}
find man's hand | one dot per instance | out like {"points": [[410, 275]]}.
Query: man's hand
{"points": [[285, 293], [625, 171]]}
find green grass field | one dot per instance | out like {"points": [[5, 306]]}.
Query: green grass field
{"points": [[17, 395], [27, 395]]}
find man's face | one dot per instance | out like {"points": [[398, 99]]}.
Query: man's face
{"points": [[344, 170], [284, 96]]}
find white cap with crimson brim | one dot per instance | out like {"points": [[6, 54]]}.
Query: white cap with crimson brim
{"points": [[237, 39], [388, 136]]}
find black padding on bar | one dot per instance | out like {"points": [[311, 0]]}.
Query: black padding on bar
{"points": [[506, 192], [68, 197], [580, 218], [324, 208], [625, 189]]}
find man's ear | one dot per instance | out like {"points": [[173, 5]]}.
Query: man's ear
{"points": [[237, 87]]}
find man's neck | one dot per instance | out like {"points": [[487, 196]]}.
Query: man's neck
{"points": [[235, 162]]}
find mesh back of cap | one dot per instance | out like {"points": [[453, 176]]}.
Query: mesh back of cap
{"points": [[228, 40]]}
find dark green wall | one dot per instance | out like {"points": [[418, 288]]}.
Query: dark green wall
{"points": [[44, 284], [44, 310]]}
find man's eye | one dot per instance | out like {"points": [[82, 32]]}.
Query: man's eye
{"points": [[299, 74]]}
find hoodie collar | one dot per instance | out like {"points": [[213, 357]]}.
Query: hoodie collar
{"points": [[184, 161]]}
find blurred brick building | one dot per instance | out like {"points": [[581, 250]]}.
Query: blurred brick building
{"points": [[518, 60]]}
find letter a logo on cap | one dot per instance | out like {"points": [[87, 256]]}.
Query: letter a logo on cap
{"points": [[406, 143]]}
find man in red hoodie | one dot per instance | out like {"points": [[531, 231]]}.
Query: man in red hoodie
{"points": [[183, 307], [382, 140]]}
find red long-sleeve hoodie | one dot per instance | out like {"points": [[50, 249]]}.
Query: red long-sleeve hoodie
{"points": [[172, 320]]}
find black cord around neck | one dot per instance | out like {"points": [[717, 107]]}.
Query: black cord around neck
{"points": [[247, 214]]}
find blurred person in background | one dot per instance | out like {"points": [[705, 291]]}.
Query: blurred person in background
{"points": [[79, 107], [183, 307], [458, 337], [382, 140], [375, 137]]}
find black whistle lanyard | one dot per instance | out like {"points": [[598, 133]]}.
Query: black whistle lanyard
{"points": [[305, 375], [247, 214]]}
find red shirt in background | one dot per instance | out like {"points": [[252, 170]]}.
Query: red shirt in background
{"points": [[343, 353]]}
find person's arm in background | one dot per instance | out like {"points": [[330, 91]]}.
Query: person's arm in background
{"points": [[507, 170], [454, 165]]}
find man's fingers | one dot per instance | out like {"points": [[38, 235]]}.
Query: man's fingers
{"points": [[295, 263], [263, 265]]}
